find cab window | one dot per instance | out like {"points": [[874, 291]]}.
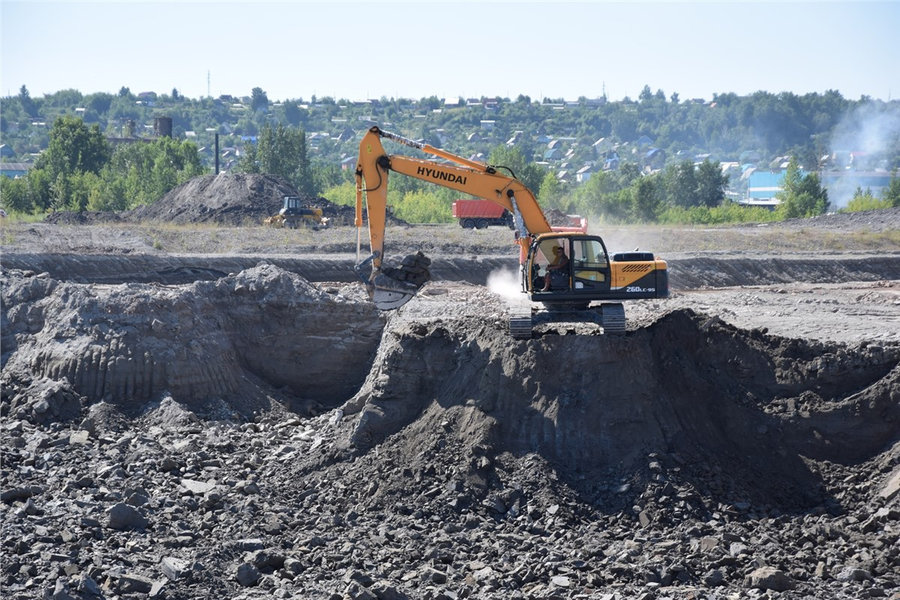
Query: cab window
{"points": [[590, 261]]}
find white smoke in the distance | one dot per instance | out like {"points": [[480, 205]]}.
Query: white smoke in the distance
{"points": [[872, 132]]}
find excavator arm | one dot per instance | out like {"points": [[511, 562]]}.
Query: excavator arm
{"points": [[464, 175], [455, 172]]}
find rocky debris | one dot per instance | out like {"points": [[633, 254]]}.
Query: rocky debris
{"points": [[413, 270], [122, 517], [685, 459], [769, 578]]}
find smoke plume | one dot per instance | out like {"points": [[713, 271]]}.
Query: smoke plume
{"points": [[871, 135]]}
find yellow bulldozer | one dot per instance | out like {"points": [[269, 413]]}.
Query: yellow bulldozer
{"points": [[294, 215]]}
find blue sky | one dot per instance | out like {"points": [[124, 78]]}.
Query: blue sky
{"points": [[356, 50]]}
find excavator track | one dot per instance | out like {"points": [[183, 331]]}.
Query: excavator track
{"points": [[609, 316], [520, 324], [613, 318]]}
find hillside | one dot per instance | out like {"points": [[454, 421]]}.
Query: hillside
{"points": [[564, 135]]}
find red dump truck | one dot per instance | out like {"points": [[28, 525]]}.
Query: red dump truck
{"points": [[478, 214]]}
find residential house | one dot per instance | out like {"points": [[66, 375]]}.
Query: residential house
{"points": [[14, 170], [516, 138], [346, 135], [655, 158], [583, 174], [762, 186]]}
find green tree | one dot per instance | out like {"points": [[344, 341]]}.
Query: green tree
{"points": [[14, 194], [681, 184], [295, 115], [328, 175], [711, 184], [142, 173], [258, 100], [281, 151], [28, 105], [891, 193], [647, 198], [602, 196], [513, 162], [802, 196], [343, 194], [74, 148], [100, 103], [550, 194], [423, 207], [864, 200]]}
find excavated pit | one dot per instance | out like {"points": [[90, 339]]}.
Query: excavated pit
{"points": [[378, 426], [181, 421], [686, 385]]}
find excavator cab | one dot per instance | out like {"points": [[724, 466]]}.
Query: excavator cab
{"points": [[585, 276]]}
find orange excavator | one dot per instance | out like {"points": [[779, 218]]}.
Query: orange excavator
{"points": [[564, 269]]}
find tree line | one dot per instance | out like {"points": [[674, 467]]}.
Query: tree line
{"points": [[752, 128], [82, 170]]}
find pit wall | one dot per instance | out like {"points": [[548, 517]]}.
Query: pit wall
{"points": [[242, 340], [742, 403], [684, 273]]}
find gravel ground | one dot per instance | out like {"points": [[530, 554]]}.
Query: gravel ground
{"points": [[257, 436]]}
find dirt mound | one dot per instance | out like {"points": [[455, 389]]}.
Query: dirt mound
{"points": [[595, 407], [231, 343], [87, 217], [226, 199]]}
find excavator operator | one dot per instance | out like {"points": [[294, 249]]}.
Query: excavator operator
{"points": [[557, 271]]}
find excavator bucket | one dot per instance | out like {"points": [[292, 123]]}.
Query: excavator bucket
{"points": [[390, 294], [392, 287]]}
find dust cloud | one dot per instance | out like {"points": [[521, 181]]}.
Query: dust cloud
{"points": [[505, 283]]}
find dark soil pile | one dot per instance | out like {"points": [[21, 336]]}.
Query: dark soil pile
{"points": [[87, 217], [259, 437], [224, 199]]}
